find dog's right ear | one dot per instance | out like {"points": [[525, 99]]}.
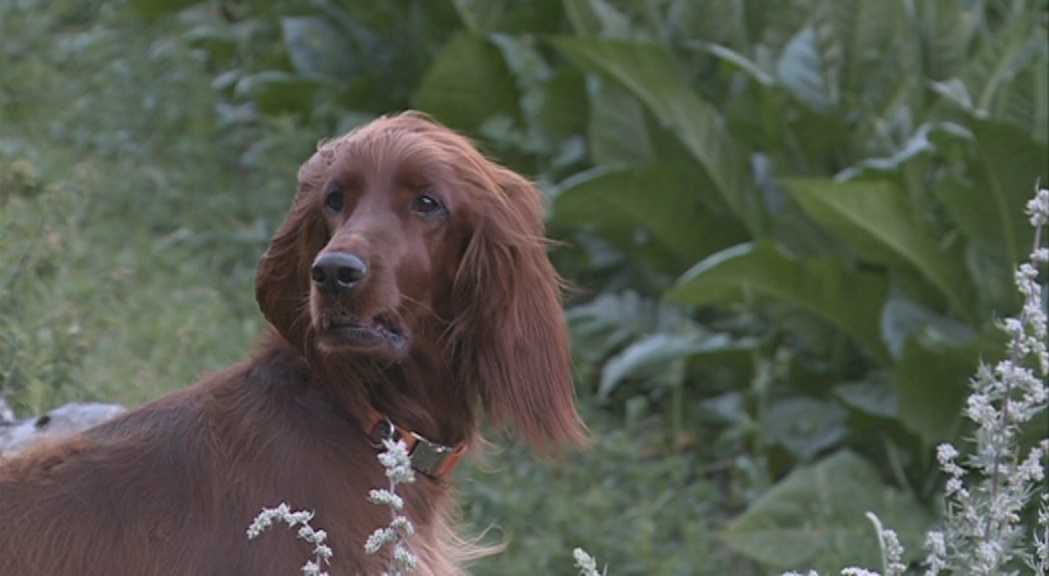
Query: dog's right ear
{"points": [[282, 281]]}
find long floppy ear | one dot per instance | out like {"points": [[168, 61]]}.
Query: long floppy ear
{"points": [[510, 330], [282, 280]]}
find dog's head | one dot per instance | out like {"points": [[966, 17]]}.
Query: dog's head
{"points": [[406, 245]]}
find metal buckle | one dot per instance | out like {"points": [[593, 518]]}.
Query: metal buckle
{"points": [[428, 458]]}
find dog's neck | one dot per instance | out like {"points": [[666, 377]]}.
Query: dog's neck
{"points": [[421, 394]]}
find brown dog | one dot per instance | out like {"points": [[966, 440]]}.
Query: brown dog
{"points": [[410, 290]]}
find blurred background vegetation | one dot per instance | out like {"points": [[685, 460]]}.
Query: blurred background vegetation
{"points": [[790, 227]]}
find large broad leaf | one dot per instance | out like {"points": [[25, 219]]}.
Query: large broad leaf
{"points": [[650, 72], [738, 61], [875, 219], [609, 322], [1024, 102], [903, 318], [816, 518], [947, 28], [566, 109], [597, 18], [159, 8], [709, 21], [979, 85], [468, 83], [932, 383], [995, 64], [659, 351], [662, 200], [317, 49], [991, 209], [486, 17], [618, 132], [849, 300], [802, 70], [806, 426], [853, 36], [277, 92], [874, 395]]}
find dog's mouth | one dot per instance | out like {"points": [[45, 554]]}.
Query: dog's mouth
{"points": [[380, 332]]}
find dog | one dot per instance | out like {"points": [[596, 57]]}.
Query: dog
{"points": [[411, 298]]}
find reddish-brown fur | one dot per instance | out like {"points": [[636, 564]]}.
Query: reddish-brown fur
{"points": [[170, 488]]}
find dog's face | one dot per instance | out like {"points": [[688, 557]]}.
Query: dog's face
{"points": [[396, 224], [408, 249]]}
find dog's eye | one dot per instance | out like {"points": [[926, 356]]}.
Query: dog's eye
{"points": [[335, 200], [426, 206]]}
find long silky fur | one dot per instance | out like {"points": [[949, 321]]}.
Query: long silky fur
{"points": [[169, 488]]}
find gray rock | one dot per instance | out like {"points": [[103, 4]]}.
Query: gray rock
{"points": [[19, 434]]}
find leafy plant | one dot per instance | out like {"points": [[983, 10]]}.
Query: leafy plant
{"points": [[789, 225]]}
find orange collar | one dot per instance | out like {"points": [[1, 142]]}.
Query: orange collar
{"points": [[428, 458]]}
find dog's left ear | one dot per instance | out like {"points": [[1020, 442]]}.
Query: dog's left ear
{"points": [[510, 332], [282, 280]]}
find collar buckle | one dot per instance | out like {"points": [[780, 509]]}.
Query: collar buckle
{"points": [[428, 458], [431, 459]]}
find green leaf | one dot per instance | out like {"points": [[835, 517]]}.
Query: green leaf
{"points": [[932, 383], [467, 84], [597, 18], [874, 395], [618, 133], [995, 64], [565, 113], [658, 351], [277, 92], [650, 72], [608, 322], [853, 39], [947, 29], [902, 318], [801, 70], [806, 426], [876, 220], [921, 143], [485, 17], [1024, 102], [851, 301], [159, 8], [742, 63], [991, 208], [661, 200], [816, 518], [709, 21], [317, 50]]}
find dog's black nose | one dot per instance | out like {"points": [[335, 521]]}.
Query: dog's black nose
{"points": [[338, 272]]}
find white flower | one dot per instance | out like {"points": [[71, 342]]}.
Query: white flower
{"points": [[858, 572], [322, 553], [1038, 208], [398, 468], [384, 497], [378, 539], [585, 563]]}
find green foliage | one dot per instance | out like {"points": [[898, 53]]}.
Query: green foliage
{"points": [[816, 518], [886, 211], [468, 83], [38, 352], [790, 227], [643, 512], [110, 237], [851, 300]]}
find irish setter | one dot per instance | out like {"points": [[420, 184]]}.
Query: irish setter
{"points": [[410, 292]]}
